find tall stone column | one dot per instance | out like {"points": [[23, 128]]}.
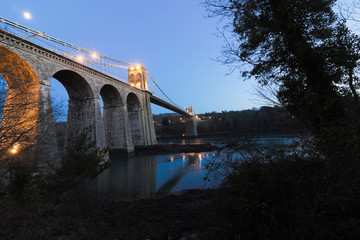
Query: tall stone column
{"points": [[149, 129], [82, 118], [126, 139], [48, 150], [137, 127], [117, 131], [99, 126]]}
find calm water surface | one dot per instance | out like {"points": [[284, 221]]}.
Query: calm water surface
{"points": [[144, 176]]}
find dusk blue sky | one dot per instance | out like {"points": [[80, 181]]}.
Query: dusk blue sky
{"points": [[173, 39]]}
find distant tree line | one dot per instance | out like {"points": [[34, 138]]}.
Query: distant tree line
{"points": [[266, 120]]}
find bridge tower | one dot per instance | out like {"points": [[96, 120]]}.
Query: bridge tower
{"points": [[137, 77], [191, 124], [190, 110]]}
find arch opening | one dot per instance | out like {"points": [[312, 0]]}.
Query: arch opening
{"points": [[20, 105], [135, 119], [60, 105], [75, 116], [113, 117]]}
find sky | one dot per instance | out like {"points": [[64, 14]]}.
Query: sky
{"points": [[173, 39]]}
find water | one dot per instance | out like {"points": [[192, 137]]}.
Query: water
{"points": [[137, 177]]}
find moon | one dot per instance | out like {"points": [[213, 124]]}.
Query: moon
{"points": [[27, 15]]}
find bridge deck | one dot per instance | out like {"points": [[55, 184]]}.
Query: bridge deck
{"points": [[158, 101]]}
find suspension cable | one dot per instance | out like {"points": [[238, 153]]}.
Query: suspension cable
{"points": [[161, 89], [35, 33], [43, 35]]}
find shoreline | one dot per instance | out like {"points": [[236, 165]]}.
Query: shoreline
{"points": [[235, 134], [174, 148]]}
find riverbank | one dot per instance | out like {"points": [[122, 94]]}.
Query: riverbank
{"points": [[174, 148], [234, 134], [81, 216]]}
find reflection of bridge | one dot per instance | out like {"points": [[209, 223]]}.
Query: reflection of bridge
{"points": [[28, 66]]}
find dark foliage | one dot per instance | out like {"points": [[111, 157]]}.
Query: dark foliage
{"points": [[284, 193], [313, 58], [81, 161], [301, 47], [29, 193]]}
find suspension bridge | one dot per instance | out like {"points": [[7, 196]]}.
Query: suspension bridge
{"points": [[30, 59]]}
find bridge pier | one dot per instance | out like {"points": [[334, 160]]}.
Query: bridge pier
{"points": [[191, 127], [47, 142], [116, 126], [148, 122], [84, 117]]}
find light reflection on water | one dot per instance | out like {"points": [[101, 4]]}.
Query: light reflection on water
{"points": [[136, 177], [224, 140]]}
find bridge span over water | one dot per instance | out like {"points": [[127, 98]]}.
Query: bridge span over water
{"points": [[28, 67]]}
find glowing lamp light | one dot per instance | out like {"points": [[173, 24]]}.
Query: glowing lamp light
{"points": [[94, 55], [131, 68], [14, 149], [138, 66], [27, 15], [80, 58], [133, 85]]}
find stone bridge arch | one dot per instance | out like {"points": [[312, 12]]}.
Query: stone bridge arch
{"points": [[81, 117], [21, 116], [134, 109], [115, 120]]}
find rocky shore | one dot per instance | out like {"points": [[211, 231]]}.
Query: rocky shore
{"points": [[82, 216]]}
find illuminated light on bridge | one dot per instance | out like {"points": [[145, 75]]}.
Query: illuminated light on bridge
{"points": [[94, 55], [190, 110], [15, 148], [172, 158], [137, 77], [80, 58]]}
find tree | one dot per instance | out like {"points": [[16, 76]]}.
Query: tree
{"points": [[19, 114], [303, 48], [349, 11]]}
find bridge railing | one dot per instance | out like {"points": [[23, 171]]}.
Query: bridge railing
{"points": [[107, 65]]}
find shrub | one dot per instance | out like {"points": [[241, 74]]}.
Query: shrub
{"points": [[285, 193]]}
